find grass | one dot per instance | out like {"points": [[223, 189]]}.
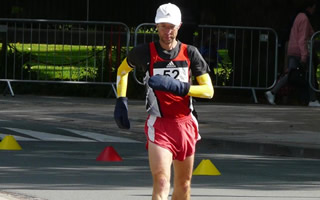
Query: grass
{"points": [[65, 62], [73, 63]]}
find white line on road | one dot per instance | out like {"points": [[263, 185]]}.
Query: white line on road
{"points": [[18, 138], [48, 136], [101, 137]]}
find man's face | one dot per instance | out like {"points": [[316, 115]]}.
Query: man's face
{"points": [[167, 32]]}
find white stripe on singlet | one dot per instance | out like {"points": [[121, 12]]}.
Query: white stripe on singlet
{"points": [[196, 121]]}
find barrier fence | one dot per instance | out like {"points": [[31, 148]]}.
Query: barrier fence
{"points": [[314, 68], [84, 52], [239, 57], [144, 33], [55, 51]]}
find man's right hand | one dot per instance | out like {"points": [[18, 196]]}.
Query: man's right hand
{"points": [[121, 113], [169, 84]]}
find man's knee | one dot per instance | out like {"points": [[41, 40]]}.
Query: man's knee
{"points": [[183, 186], [181, 190], [161, 181]]}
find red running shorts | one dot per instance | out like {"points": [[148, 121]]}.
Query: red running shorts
{"points": [[178, 135]]}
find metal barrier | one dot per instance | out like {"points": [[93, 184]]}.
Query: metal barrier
{"points": [[313, 67], [239, 57], [82, 52], [56, 51], [144, 33]]}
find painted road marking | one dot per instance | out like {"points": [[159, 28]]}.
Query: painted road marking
{"points": [[101, 137], [44, 136], [19, 138], [48, 136]]}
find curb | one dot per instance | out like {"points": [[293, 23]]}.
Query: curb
{"points": [[261, 148]]}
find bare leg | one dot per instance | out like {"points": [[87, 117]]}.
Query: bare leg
{"points": [[160, 161], [182, 178]]}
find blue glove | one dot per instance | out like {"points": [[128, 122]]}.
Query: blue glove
{"points": [[169, 84], [121, 113]]}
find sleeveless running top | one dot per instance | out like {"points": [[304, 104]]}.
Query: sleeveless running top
{"points": [[166, 104]]}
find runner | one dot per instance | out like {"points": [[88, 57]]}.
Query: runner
{"points": [[171, 127]]}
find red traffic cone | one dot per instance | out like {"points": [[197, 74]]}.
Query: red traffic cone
{"points": [[109, 155]]}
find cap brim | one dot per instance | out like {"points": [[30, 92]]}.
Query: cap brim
{"points": [[166, 20]]}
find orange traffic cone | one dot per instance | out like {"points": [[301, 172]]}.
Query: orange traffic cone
{"points": [[109, 154]]}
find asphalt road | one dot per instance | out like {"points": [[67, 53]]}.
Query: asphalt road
{"points": [[69, 171], [62, 137]]}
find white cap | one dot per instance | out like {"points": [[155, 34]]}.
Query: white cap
{"points": [[168, 13]]}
